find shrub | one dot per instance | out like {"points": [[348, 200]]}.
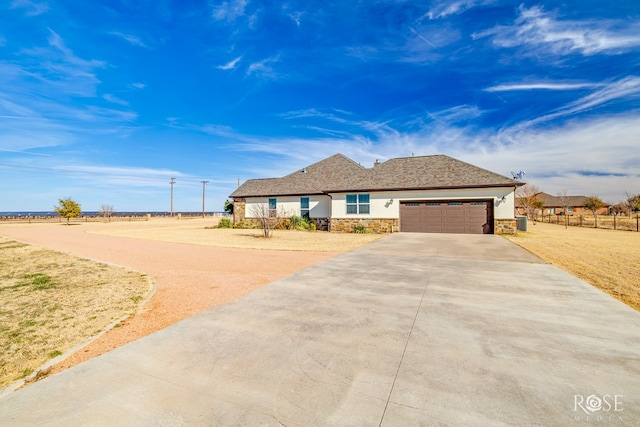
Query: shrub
{"points": [[224, 223], [247, 224], [300, 223], [359, 229]]}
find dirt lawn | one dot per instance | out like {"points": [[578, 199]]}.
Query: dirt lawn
{"points": [[608, 259], [194, 268]]}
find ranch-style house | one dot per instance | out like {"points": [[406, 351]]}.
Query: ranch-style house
{"points": [[429, 194]]}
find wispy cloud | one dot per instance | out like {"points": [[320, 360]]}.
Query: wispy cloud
{"points": [[114, 100], [456, 114], [263, 68], [94, 175], [543, 153], [536, 29], [539, 86], [138, 85], [131, 39], [56, 41], [231, 65], [625, 88], [33, 8], [229, 10], [445, 8]]}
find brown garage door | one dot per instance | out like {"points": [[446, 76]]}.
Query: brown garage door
{"points": [[471, 217]]}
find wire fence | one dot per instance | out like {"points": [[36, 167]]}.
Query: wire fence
{"points": [[608, 222]]}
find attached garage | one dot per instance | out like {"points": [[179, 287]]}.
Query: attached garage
{"points": [[447, 216]]}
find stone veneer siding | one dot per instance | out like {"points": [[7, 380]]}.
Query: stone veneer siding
{"points": [[505, 226], [239, 208], [373, 225], [322, 224]]}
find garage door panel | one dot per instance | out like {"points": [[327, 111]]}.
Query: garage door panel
{"points": [[446, 217]]}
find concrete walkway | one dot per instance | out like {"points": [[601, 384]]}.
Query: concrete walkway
{"points": [[413, 329]]}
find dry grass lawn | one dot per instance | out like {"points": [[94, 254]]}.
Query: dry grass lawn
{"points": [[194, 232], [51, 302], [608, 259]]}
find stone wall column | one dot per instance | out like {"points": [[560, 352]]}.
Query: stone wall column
{"points": [[239, 208]]}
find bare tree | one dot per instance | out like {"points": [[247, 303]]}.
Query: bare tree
{"points": [[106, 211], [527, 199], [266, 217], [632, 202]]}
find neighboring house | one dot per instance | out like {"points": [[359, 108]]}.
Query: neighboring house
{"points": [[436, 194], [557, 205]]}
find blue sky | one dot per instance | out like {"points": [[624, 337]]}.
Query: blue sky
{"points": [[105, 100]]}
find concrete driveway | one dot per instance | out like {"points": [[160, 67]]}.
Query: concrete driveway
{"points": [[413, 329]]}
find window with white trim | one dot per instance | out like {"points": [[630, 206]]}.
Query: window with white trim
{"points": [[304, 207], [358, 204], [273, 208]]}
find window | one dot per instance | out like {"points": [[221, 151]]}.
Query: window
{"points": [[304, 207], [570, 208], [357, 203], [273, 208]]}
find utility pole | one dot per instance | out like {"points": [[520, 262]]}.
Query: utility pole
{"points": [[204, 183], [173, 181]]}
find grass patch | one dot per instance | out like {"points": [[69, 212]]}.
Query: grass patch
{"points": [[55, 353], [51, 302], [38, 281]]}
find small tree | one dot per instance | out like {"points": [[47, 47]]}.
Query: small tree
{"points": [[68, 209], [228, 207], [632, 202], [265, 218], [106, 211], [619, 208], [528, 199], [594, 203]]}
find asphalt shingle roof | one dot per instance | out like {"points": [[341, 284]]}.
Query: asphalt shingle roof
{"points": [[556, 201], [339, 174]]}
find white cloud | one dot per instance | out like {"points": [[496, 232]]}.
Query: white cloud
{"points": [[583, 156], [56, 41], [446, 8], [628, 87], [33, 8], [231, 65], [110, 98], [138, 85], [133, 40], [539, 86], [263, 68], [542, 33], [457, 114], [229, 10]]}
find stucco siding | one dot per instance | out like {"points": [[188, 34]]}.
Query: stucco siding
{"points": [[319, 206], [387, 204]]}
